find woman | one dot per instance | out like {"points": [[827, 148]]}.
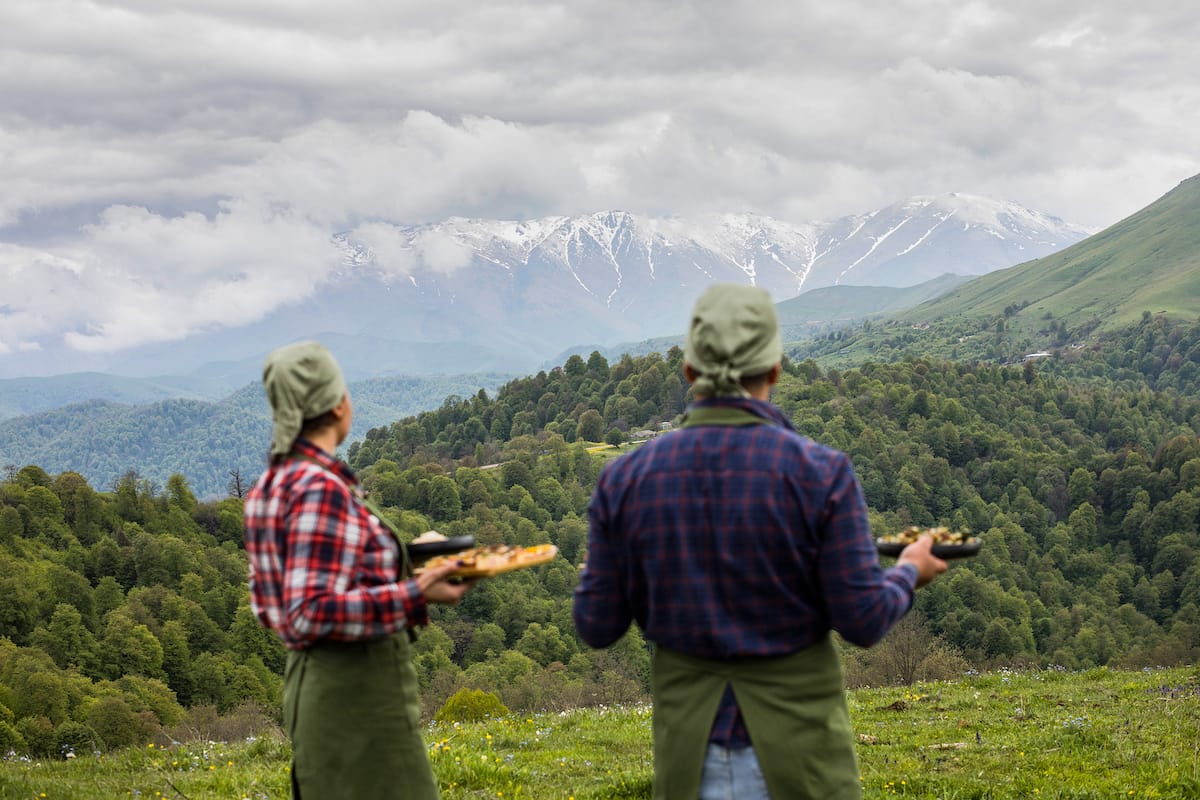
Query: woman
{"points": [[334, 583]]}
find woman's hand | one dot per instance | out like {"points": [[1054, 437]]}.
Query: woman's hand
{"points": [[436, 587]]}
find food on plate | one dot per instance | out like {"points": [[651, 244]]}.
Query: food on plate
{"points": [[941, 535], [946, 543], [493, 559]]}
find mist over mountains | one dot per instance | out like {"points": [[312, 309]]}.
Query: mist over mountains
{"points": [[468, 295], [614, 276]]}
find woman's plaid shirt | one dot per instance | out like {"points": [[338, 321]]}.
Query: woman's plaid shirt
{"points": [[321, 565]]}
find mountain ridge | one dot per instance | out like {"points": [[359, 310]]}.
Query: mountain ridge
{"points": [[511, 294], [1145, 264]]}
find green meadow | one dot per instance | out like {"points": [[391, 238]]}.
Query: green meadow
{"points": [[1039, 734]]}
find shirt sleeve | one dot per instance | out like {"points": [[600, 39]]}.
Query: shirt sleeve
{"points": [[863, 599], [601, 609], [329, 591]]}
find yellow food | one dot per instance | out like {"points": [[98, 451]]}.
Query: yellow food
{"points": [[493, 559], [941, 535]]}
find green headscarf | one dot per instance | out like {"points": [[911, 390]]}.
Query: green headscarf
{"points": [[302, 381], [734, 334]]}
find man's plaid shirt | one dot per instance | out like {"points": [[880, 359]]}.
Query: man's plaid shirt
{"points": [[321, 565], [725, 542]]}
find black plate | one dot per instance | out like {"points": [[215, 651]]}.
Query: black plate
{"points": [[946, 551], [455, 544]]}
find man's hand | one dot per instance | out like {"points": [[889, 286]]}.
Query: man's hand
{"points": [[920, 555], [436, 587]]}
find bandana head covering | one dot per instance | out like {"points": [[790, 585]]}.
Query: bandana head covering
{"points": [[734, 334], [302, 381]]}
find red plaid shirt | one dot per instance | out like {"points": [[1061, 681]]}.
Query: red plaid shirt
{"points": [[321, 565]]}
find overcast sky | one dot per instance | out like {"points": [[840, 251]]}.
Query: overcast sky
{"points": [[164, 162]]}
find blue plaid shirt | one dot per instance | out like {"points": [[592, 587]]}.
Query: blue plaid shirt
{"points": [[735, 541]]}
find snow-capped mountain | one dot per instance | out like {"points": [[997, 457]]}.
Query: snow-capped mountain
{"points": [[615, 276], [464, 295]]}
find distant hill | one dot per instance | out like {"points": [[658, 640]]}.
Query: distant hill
{"points": [[202, 440], [1149, 261], [842, 305], [812, 313], [1146, 264], [23, 396]]}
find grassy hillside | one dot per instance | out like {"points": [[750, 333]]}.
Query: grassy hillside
{"points": [[845, 304], [1147, 265], [1147, 262], [1049, 733]]}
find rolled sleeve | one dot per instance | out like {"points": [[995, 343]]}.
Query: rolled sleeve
{"points": [[863, 599]]}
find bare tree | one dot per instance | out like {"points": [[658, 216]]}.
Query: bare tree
{"points": [[904, 648], [237, 488]]}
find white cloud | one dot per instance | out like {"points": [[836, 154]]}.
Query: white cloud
{"points": [[176, 165], [137, 277]]}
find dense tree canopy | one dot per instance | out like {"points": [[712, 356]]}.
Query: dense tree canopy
{"points": [[122, 609]]}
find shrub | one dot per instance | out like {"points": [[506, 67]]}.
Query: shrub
{"points": [[10, 740], [38, 735], [115, 723], [75, 737], [470, 705], [943, 664], [204, 724]]}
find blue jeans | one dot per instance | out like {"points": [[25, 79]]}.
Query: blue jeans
{"points": [[732, 775]]}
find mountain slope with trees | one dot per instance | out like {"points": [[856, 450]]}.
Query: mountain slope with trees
{"points": [[124, 612], [208, 442]]}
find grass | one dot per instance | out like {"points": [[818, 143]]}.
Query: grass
{"points": [[1040, 734]]}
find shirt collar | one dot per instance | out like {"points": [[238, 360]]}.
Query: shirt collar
{"points": [[310, 452], [759, 408]]}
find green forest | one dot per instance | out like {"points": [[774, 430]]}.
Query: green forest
{"points": [[124, 612], [201, 439]]}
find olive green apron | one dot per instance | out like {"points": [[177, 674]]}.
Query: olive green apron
{"points": [[794, 706], [352, 712], [353, 715]]}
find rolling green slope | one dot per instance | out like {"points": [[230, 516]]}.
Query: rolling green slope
{"points": [[1149, 261], [1145, 266], [846, 304]]}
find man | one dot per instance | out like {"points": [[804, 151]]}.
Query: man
{"points": [[737, 546]]}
